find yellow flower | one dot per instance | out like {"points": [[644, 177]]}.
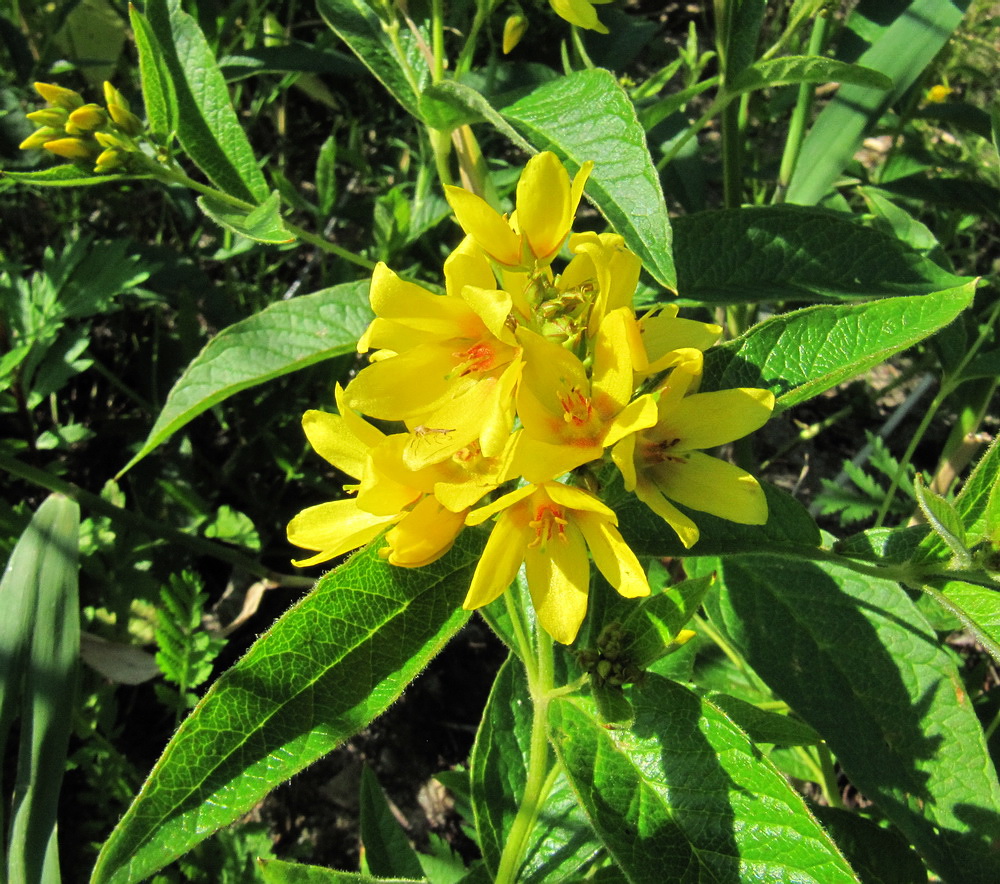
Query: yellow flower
{"points": [[580, 13], [664, 461], [549, 528], [938, 93], [569, 417], [546, 204], [426, 508], [447, 365]]}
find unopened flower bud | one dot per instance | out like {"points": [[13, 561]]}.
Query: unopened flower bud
{"points": [[124, 119], [38, 139], [49, 116], [109, 160], [86, 119], [59, 96], [513, 30], [71, 148]]}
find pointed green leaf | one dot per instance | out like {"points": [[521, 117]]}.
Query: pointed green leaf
{"points": [[157, 90], [282, 338], [901, 52], [587, 116], [791, 253], [880, 690], [878, 855], [207, 126], [945, 523], [683, 795], [39, 647], [261, 224], [332, 663], [800, 354], [976, 607], [396, 64], [67, 175], [275, 871], [804, 69], [978, 504], [763, 726], [562, 843], [388, 851], [654, 623]]}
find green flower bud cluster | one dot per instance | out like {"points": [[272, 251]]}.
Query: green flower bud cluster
{"points": [[85, 133]]}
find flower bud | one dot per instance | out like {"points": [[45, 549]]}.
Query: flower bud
{"points": [[49, 116], [513, 30], [71, 148], [109, 160], [86, 119], [124, 119], [37, 139], [59, 96]]}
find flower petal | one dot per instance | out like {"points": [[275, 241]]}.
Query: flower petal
{"points": [[425, 534], [544, 213], [613, 556], [710, 485], [650, 495], [499, 564], [559, 580], [485, 225], [334, 528], [705, 420]]}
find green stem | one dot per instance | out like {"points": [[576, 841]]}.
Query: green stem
{"points": [[720, 101], [732, 157], [541, 773], [800, 114], [175, 176], [154, 527], [829, 780], [437, 40]]}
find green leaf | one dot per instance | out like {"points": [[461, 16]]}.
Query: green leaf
{"points": [[274, 871], [39, 647], [800, 354], [792, 253], [207, 126], [261, 224], [976, 607], [397, 66], [562, 843], [901, 52], [475, 106], [332, 663], [683, 795], [587, 116], [857, 661], [157, 90], [67, 175], [945, 523], [763, 726], [804, 69], [655, 622], [978, 504], [388, 851], [282, 338], [878, 855], [789, 526]]}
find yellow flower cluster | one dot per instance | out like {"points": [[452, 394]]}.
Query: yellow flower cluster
{"points": [[519, 374], [82, 132]]}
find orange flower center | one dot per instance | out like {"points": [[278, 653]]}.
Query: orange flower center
{"points": [[577, 409], [478, 358], [549, 522]]}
